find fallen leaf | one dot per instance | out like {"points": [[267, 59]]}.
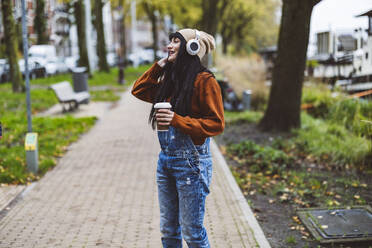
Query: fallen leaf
{"points": [[324, 226]]}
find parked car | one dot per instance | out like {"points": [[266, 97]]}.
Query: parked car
{"points": [[38, 70], [145, 56], [135, 59], [71, 62], [4, 69], [35, 69], [42, 51], [61, 65], [161, 54], [112, 59]]}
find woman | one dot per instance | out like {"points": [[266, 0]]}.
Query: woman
{"points": [[185, 166]]}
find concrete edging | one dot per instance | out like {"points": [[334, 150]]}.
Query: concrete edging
{"points": [[248, 214]]}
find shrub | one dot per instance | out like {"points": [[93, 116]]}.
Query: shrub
{"points": [[332, 141], [350, 114], [321, 100], [260, 158]]}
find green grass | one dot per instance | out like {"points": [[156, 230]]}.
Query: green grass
{"points": [[291, 240], [55, 134], [104, 95], [280, 169], [98, 78], [338, 108], [332, 141], [326, 139], [15, 103], [242, 117], [52, 79], [104, 78]]}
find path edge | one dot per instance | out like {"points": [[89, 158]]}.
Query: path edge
{"points": [[247, 211]]}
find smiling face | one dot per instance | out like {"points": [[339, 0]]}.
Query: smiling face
{"points": [[173, 48]]}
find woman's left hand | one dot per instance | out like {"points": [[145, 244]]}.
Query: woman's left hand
{"points": [[164, 116]]}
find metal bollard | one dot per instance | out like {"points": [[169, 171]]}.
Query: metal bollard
{"points": [[31, 147], [247, 99]]}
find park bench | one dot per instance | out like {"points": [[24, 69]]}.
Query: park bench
{"points": [[66, 95]]}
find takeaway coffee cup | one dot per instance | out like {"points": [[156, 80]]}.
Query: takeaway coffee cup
{"points": [[162, 105]]}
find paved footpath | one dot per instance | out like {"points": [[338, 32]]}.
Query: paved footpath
{"points": [[103, 193]]}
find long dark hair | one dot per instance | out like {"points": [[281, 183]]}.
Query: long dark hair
{"points": [[178, 81]]}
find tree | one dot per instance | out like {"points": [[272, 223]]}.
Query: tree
{"points": [[123, 6], [151, 8], [79, 13], [283, 110], [11, 45], [209, 19], [186, 13], [40, 23], [101, 44], [236, 22]]}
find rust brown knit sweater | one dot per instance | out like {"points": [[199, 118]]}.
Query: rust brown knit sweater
{"points": [[207, 114]]}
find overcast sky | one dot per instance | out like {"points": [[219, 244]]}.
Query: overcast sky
{"points": [[338, 14]]}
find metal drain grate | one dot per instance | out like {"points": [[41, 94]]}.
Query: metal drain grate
{"points": [[338, 224]]}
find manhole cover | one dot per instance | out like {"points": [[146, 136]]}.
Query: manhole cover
{"points": [[338, 224]]}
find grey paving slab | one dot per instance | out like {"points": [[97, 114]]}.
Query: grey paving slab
{"points": [[103, 193]]}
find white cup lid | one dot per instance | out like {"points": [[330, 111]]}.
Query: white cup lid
{"points": [[161, 105]]}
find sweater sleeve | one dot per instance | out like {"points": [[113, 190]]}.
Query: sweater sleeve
{"points": [[212, 121], [146, 86]]}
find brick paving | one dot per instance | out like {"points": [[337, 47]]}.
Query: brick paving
{"points": [[103, 193]]}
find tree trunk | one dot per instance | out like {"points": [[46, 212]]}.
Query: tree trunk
{"points": [[150, 11], [101, 45], [154, 26], [40, 23], [209, 23], [122, 52], [209, 16], [79, 13], [224, 47], [283, 111], [11, 45]]}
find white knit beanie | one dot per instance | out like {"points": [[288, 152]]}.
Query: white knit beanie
{"points": [[206, 41]]}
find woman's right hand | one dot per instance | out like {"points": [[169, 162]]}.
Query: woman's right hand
{"points": [[162, 62]]}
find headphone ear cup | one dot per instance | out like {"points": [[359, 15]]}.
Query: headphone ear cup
{"points": [[193, 47]]}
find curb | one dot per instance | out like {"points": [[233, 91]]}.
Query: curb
{"points": [[248, 214], [17, 198]]}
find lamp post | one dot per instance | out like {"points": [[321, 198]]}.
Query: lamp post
{"points": [[133, 29], [25, 55], [31, 138]]}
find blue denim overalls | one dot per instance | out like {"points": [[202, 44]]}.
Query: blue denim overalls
{"points": [[183, 176]]}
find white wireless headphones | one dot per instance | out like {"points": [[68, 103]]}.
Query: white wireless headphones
{"points": [[193, 46]]}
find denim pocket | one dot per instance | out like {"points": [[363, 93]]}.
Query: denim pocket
{"points": [[194, 163]]}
